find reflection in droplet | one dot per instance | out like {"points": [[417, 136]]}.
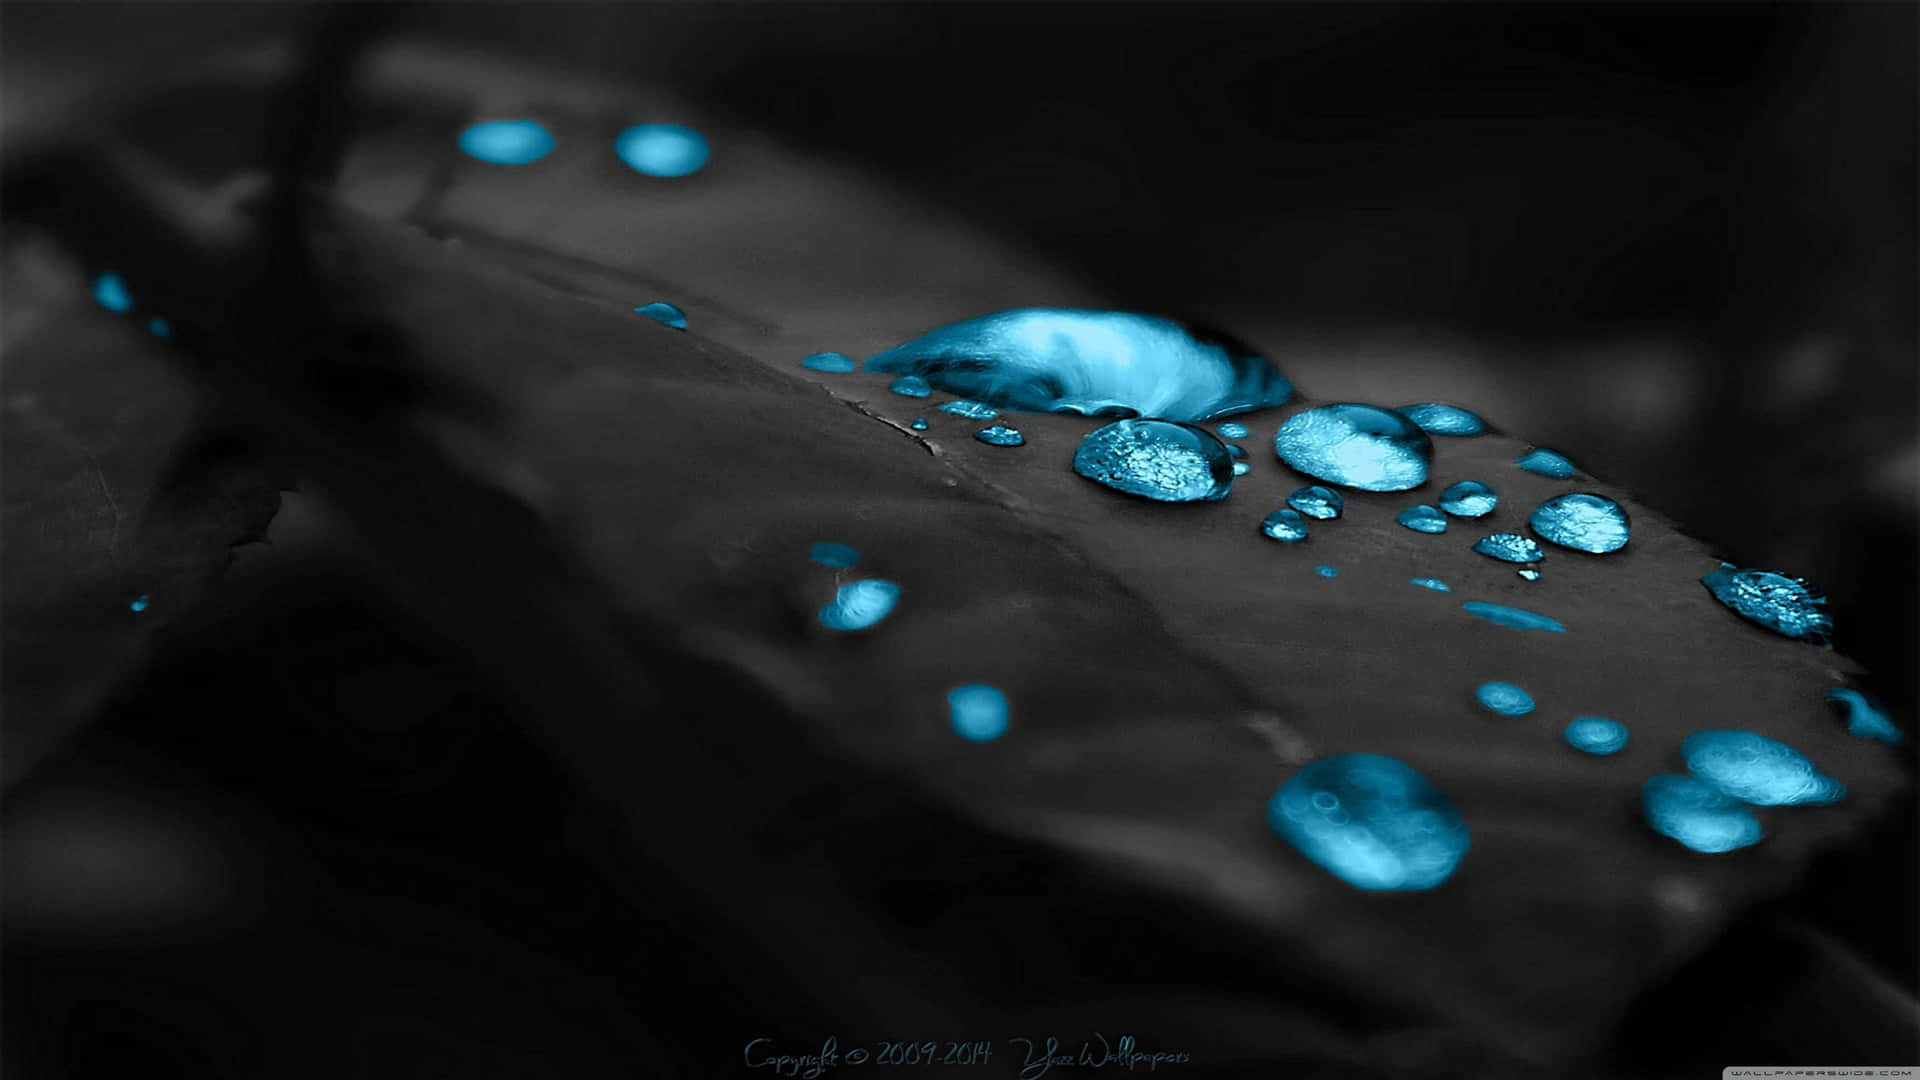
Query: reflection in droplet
{"points": [[1318, 502], [1232, 429], [978, 712], [110, 292], [665, 150], [1866, 717], [1157, 459], [860, 604], [1504, 698], [1596, 735], [1699, 817], [1326, 571], [1000, 435], [838, 556], [662, 312], [1371, 821], [832, 363], [506, 142], [1357, 446], [1582, 521], [1437, 419], [1547, 463], [1469, 499], [1517, 618], [972, 410], [1509, 547], [1423, 519], [910, 386], [1286, 526], [1433, 583], [1753, 768], [1785, 605]]}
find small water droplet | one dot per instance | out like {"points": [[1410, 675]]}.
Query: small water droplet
{"points": [[910, 386], [1547, 463], [860, 604], [1318, 502], [1785, 605], [665, 150], [662, 312], [110, 292], [1755, 769], [832, 363], [978, 712], [1517, 618], [1232, 429], [972, 410], [1699, 817], [1284, 525], [838, 556], [1157, 459], [139, 604], [1528, 573], [1326, 571], [1469, 499], [506, 142], [1356, 446], [1433, 583], [1000, 435], [1509, 547], [919, 423], [1241, 468], [1371, 821], [1582, 521], [159, 328], [1236, 451], [1423, 519], [1437, 419], [1504, 698], [1596, 735], [1866, 717]]}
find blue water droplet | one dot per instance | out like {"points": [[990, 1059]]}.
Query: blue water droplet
{"points": [[1326, 571], [159, 328], [110, 292], [972, 410], [1469, 499], [1699, 817], [1371, 821], [1232, 429], [1582, 521], [506, 142], [910, 386], [1785, 605], [978, 712], [1755, 769], [1866, 717], [1505, 698], [1317, 502], [860, 604], [1241, 468], [1596, 735], [1509, 547], [1286, 526], [838, 556], [1237, 452], [139, 604], [1528, 573], [832, 363], [1356, 446], [1088, 362], [1517, 618], [1433, 583], [1001, 435], [919, 423], [662, 312], [1547, 463], [1437, 419], [1423, 519], [666, 150], [1157, 459]]}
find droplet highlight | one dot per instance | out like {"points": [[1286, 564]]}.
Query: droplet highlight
{"points": [[1321, 503], [1437, 419], [972, 410], [1356, 446], [1866, 717], [1547, 463], [1469, 499], [662, 312], [1695, 814], [910, 386], [1784, 605], [1758, 770], [1504, 698], [1000, 435], [1423, 519], [664, 150], [1372, 821], [838, 556], [1157, 459], [978, 712], [860, 604], [1509, 547], [1596, 735], [1582, 521], [1286, 526], [506, 142], [1516, 618], [110, 291]]}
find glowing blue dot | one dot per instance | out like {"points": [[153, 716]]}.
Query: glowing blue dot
{"points": [[1286, 526], [1517, 618], [1699, 817], [110, 292], [1326, 571], [1755, 769], [972, 410], [978, 712], [1785, 605], [1547, 463], [1437, 419], [1505, 698], [159, 328], [1865, 717], [1356, 446], [1371, 821], [1596, 735], [860, 604], [1232, 430], [832, 363], [1582, 521], [919, 423], [1321, 503], [1469, 499], [910, 386], [666, 150], [139, 603], [838, 556], [663, 312], [1157, 459], [506, 142], [1424, 519], [1000, 435], [1509, 547], [1433, 583]]}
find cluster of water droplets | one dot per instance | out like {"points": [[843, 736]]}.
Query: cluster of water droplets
{"points": [[662, 150], [1733, 771]]}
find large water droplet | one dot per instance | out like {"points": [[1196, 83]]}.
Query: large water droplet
{"points": [[1437, 419], [662, 312], [1317, 502], [1865, 716], [1755, 769], [1469, 499], [978, 712], [1326, 571], [1433, 583], [911, 386], [1157, 459], [1699, 817], [1371, 821], [110, 292], [838, 556], [1232, 429], [1356, 446], [1067, 360], [832, 363], [1582, 521], [860, 604], [1000, 435], [972, 410], [1286, 526], [1596, 735], [1423, 519], [1509, 547], [666, 150], [1547, 463], [1504, 698], [1517, 618], [506, 142], [1785, 605]]}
